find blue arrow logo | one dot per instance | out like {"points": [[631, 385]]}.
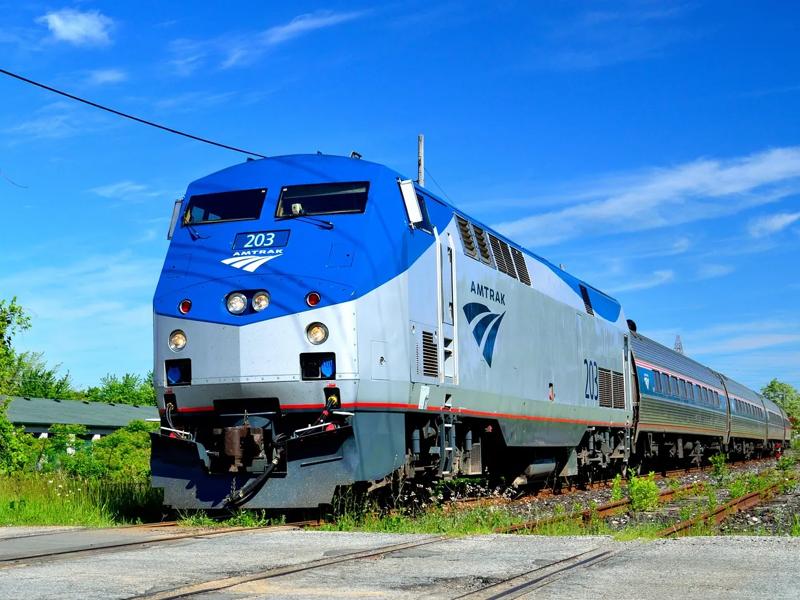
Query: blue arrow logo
{"points": [[485, 327]]}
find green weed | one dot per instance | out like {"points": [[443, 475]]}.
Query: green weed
{"points": [[643, 492], [616, 488], [719, 468]]}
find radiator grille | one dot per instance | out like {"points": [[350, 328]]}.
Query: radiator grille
{"points": [[522, 268], [430, 355], [467, 239], [604, 377], [483, 245], [619, 389]]}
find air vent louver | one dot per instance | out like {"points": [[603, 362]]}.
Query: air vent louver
{"points": [[522, 268], [483, 245], [587, 302], [619, 390], [467, 239], [606, 394], [430, 355]]}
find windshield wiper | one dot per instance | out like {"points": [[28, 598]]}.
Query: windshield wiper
{"points": [[321, 223]]}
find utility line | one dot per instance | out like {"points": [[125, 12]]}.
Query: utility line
{"points": [[128, 116], [437, 185]]}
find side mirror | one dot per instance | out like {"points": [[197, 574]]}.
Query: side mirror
{"points": [[176, 213], [409, 194]]}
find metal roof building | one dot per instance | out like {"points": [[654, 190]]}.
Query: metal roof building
{"points": [[36, 415]]}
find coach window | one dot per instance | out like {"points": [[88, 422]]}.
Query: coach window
{"points": [[674, 386], [698, 397], [656, 381], [664, 383], [704, 392]]}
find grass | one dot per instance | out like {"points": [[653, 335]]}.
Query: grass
{"points": [[434, 520], [241, 518], [57, 499]]}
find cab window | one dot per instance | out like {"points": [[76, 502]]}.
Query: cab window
{"points": [[239, 205], [322, 199]]}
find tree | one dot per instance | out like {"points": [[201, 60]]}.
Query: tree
{"points": [[13, 449], [128, 389], [785, 396], [12, 321]]}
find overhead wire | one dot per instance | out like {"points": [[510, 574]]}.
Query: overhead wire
{"points": [[438, 185], [129, 116]]}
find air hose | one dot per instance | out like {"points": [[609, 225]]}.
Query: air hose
{"points": [[239, 497]]}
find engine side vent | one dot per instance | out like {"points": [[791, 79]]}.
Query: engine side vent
{"points": [[619, 390], [606, 396], [467, 239], [430, 355], [522, 268], [502, 255], [483, 245], [587, 302]]}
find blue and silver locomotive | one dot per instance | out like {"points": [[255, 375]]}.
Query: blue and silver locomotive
{"points": [[322, 322]]}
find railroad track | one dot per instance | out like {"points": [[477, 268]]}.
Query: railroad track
{"points": [[100, 548], [720, 513]]}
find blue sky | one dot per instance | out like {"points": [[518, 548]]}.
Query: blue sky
{"points": [[651, 147]]}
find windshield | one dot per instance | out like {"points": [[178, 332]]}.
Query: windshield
{"points": [[322, 199], [240, 205]]}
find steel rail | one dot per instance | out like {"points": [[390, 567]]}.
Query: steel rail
{"points": [[101, 548], [720, 513]]}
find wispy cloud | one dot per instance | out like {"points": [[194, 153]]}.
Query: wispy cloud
{"points": [[238, 49], [125, 190], [106, 76], [712, 271], [53, 121], [88, 310], [689, 192], [89, 28], [600, 38], [655, 279], [769, 224]]}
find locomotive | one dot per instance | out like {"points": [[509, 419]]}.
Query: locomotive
{"points": [[322, 322]]}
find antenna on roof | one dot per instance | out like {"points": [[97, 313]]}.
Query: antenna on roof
{"points": [[421, 160], [678, 344]]}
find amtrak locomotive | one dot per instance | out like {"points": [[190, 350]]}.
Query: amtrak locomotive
{"points": [[321, 322]]}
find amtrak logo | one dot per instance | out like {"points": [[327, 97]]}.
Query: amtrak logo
{"points": [[485, 327], [647, 381], [249, 262]]}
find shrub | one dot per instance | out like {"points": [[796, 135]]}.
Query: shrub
{"points": [[643, 492], [719, 468], [616, 488]]}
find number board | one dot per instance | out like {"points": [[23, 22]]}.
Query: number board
{"points": [[261, 239]]}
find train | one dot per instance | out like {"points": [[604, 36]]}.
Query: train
{"points": [[322, 323]]}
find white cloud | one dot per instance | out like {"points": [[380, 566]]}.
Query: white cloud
{"points": [[123, 190], [655, 279], [54, 121], [90, 28], [305, 23], [743, 343], [106, 76], [237, 49], [769, 224], [693, 191], [712, 271]]}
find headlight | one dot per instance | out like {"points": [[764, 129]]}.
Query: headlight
{"points": [[237, 303], [177, 340], [316, 333], [260, 301]]}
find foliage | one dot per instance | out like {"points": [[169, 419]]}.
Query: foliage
{"points": [[616, 488], [128, 389], [13, 447], [61, 499], [719, 468], [13, 320], [785, 396], [643, 492], [786, 463], [240, 518]]}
